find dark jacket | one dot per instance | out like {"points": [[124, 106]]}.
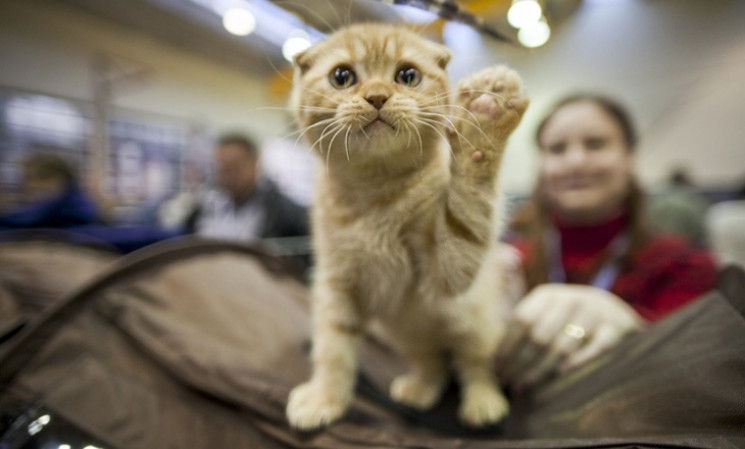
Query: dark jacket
{"points": [[282, 216], [71, 208]]}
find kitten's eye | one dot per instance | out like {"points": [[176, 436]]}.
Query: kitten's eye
{"points": [[342, 77], [409, 76]]}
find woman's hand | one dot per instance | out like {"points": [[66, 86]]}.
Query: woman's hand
{"points": [[559, 326]]}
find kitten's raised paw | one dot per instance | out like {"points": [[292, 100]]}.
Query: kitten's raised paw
{"points": [[489, 105], [311, 407], [482, 405], [415, 392]]}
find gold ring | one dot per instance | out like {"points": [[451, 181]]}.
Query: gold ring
{"points": [[575, 331]]}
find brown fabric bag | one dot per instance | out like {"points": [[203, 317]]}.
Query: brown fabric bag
{"points": [[38, 269], [194, 344]]}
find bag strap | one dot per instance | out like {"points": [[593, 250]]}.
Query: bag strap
{"points": [[731, 283]]}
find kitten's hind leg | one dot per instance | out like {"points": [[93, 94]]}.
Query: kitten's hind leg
{"points": [[423, 385], [482, 402]]}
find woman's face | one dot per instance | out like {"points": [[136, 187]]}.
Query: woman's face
{"points": [[41, 188], [586, 162]]}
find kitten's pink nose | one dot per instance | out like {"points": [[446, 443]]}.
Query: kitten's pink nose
{"points": [[377, 100]]}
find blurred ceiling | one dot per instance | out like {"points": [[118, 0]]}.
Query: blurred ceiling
{"points": [[193, 25]]}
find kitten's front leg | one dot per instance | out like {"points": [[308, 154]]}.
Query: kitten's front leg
{"points": [[488, 107], [336, 334], [482, 402]]}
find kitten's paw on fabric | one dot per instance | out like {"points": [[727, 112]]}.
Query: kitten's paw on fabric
{"points": [[311, 407], [416, 392], [482, 405]]}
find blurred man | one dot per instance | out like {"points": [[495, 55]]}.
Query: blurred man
{"points": [[246, 207]]}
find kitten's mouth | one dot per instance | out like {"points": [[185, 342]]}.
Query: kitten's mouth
{"points": [[377, 123]]}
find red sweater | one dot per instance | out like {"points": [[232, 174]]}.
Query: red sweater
{"points": [[664, 274]]}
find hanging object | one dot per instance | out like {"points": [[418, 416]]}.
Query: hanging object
{"points": [[449, 10]]}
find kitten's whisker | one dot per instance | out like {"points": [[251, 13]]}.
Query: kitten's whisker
{"points": [[289, 109], [435, 128], [328, 158], [432, 124], [321, 122], [317, 142], [362, 128], [346, 142], [276, 69], [337, 128], [403, 125], [324, 95], [312, 146], [272, 108], [408, 135], [326, 122], [409, 127], [435, 122], [341, 128], [421, 143], [455, 129], [468, 142], [438, 114], [289, 134], [316, 108], [331, 128], [464, 109], [474, 124], [457, 133], [326, 130], [434, 102]]}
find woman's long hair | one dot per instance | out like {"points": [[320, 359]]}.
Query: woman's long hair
{"points": [[536, 268]]}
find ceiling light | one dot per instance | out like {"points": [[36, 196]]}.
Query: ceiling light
{"points": [[239, 21], [524, 12], [297, 41], [535, 34]]}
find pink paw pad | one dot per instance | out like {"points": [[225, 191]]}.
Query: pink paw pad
{"points": [[485, 104]]}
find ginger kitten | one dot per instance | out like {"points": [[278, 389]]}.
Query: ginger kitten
{"points": [[403, 218]]}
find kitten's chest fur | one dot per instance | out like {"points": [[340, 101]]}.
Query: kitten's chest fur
{"points": [[378, 239]]}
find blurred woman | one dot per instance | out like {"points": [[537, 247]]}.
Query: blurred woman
{"points": [[53, 197], [594, 270]]}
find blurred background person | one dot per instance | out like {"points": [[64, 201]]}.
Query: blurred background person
{"points": [[725, 223], [245, 206], [594, 269], [680, 208], [52, 196]]}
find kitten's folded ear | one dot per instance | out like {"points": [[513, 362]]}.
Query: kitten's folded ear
{"points": [[441, 54], [304, 60]]}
